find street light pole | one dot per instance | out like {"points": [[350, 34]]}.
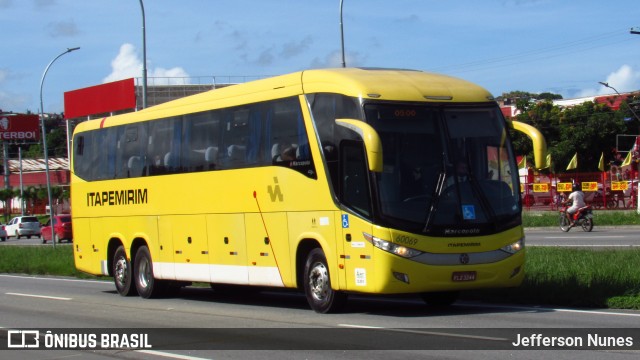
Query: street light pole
{"points": [[44, 143], [614, 89], [637, 118], [144, 59], [344, 64]]}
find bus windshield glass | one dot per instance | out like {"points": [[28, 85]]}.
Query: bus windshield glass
{"points": [[447, 170]]}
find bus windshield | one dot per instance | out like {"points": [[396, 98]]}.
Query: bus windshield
{"points": [[447, 170]]}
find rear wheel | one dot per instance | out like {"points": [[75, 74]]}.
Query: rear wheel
{"points": [[317, 284], [587, 224], [122, 273], [564, 223], [146, 284]]}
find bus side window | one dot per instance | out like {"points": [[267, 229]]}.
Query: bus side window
{"points": [[287, 141], [82, 165], [234, 138]]}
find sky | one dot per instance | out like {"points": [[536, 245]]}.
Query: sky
{"points": [[560, 46]]}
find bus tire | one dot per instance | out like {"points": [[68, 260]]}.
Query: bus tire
{"points": [[122, 273], [440, 299], [317, 284], [147, 286]]}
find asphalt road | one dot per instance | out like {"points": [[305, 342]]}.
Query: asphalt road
{"points": [[60, 303], [623, 237], [30, 241]]}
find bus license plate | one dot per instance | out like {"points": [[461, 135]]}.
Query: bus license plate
{"points": [[463, 276]]}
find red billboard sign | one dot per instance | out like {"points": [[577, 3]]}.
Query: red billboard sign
{"points": [[19, 128], [100, 99]]}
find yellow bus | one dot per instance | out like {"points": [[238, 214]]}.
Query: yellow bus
{"points": [[332, 181]]}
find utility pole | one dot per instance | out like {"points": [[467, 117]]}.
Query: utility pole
{"points": [[636, 31], [344, 64], [44, 142], [144, 59]]}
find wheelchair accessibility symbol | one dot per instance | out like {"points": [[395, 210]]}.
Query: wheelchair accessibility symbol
{"points": [[468, 212], [345, 221]]}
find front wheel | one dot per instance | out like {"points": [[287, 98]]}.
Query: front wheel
{"points": [[317, 284], [122, 273], [565, 225]]}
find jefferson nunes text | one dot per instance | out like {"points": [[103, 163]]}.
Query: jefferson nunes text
{"points": [[117, 197]]}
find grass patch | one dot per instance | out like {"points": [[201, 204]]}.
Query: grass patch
{"points": [[575, 277], [40, 260], [600, 218], [554, 276]]}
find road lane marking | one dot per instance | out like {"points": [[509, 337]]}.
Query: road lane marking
{"points": [[39, 296], [169, 355], [540, 308], [585, 237], [422, 332], [58, 279]]}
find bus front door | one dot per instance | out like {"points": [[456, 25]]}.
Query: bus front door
{"points": [[358, 253]]}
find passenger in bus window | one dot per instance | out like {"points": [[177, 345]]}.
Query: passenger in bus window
{"points": [[288, 154], [282, 153]]}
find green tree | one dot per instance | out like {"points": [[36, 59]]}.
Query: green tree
{"points": [[548, 96], [589, 129], [6, 196]]}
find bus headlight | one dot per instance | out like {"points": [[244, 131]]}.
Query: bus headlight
{"points": [[515, 247], [388, 246]]}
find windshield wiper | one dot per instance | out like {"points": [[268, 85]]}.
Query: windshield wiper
{"points": [[442, 177]]}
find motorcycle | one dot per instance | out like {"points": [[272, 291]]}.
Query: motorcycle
{"points": [[583, 217]]}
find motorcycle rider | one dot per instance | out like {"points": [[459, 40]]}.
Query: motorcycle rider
{"points": [[577, 201]]}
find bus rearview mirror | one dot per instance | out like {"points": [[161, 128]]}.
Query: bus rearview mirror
{"points": [[371, 139]]}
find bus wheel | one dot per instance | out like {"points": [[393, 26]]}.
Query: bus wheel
{"points": [[122, 273], [440, 299], [317, 284], [147, 286]]}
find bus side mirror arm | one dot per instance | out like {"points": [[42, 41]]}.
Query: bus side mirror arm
{"points": [[372, 142], [539, 144]]}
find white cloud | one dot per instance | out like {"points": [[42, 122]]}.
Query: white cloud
{"points": [[127, 65], [625, 79]]}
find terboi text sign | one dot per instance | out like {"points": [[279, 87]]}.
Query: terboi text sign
{"points": [[19, 128]]}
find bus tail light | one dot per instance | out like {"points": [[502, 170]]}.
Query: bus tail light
{"points": [[388, 246]]}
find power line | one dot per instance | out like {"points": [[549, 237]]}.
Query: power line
{"points": [[539, 54]]}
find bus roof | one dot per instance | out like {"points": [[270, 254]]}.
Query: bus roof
{"points": [[393, 84], [366, 83]]}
